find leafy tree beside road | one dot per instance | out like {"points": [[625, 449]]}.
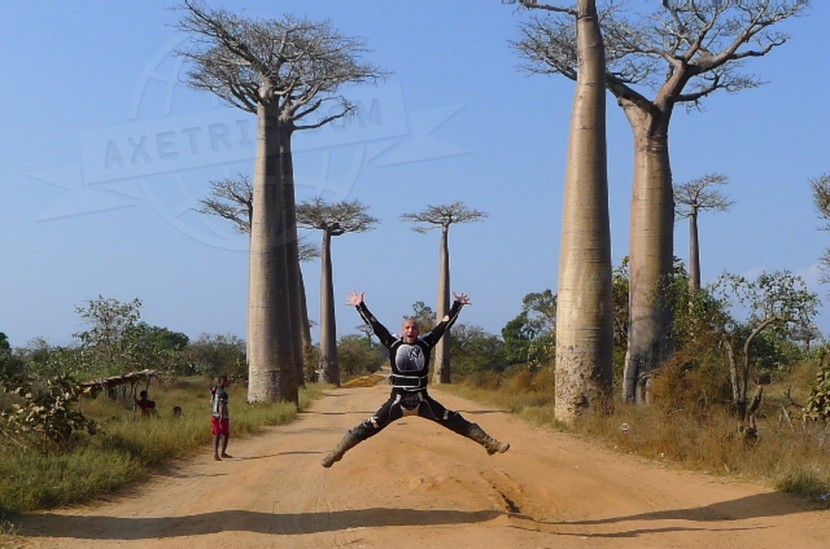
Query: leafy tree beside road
{"points": [[778, 301], [530, 338], [116, 341]]}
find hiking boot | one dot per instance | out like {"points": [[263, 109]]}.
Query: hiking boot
{"points": [[494, 446], [490, 444], [347, 442]]}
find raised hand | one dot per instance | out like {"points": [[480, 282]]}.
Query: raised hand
{"points": [[462, 298], [355, 298]]}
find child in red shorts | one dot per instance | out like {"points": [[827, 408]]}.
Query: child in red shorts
{"points": [[220, 418]]}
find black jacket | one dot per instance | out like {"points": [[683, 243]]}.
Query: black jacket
{"points": [[409, 361]]}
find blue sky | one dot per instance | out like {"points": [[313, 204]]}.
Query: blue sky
{"points": [[105, 153]]}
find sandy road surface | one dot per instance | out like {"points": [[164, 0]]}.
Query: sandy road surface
{"points": [[418, 485]]}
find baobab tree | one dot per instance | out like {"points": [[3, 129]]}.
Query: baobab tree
{"points": [[333, 219], [288, 72], [584, 316], [821, 199], [233, 199], [433, 217], [690, 199], [683, 51]]}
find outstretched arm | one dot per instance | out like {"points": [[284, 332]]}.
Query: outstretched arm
{"points": [[449, 319], [357, 300]]}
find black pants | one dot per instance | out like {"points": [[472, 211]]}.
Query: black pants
{"points": [[404, 403]]}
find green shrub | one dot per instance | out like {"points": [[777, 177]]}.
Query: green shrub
{"points": [[818, 407], [42, 415], [128, 446]]}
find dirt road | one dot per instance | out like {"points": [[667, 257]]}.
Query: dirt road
{"points": [[417, 485]]}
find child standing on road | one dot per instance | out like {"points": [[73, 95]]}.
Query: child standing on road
{"points": [[220, 418]]}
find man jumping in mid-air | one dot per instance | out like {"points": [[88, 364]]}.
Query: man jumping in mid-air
{"points": [[409, 358]]}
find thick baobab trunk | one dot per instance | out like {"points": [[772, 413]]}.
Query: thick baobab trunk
{"points": [[292, 254], [270, 365], [328, 329], [652, 231], [441, 368], [694, 255], [584, 319]]}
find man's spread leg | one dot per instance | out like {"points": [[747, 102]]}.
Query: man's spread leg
{"points": [[492, 445], [346, 443]]}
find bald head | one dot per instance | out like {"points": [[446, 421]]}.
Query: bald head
{"points": [[410, 330]]}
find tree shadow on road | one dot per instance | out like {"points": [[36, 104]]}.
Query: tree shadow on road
{"points": [[130, 528], [771, 504], [716, 516]]}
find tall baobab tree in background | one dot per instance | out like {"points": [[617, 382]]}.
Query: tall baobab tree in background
{"points": [[288, 72], [584, 315], [442, 217], [690, 199], [683, 51], [821, 199], [334, 220], [233, 199]]}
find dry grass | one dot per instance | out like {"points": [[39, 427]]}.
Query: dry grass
{"points": [[524, 393], [695, 431], [793, 460], [369, 380], [128, 446]]}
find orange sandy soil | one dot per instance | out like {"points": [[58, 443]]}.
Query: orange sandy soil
{"points": [[418, 485]]}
